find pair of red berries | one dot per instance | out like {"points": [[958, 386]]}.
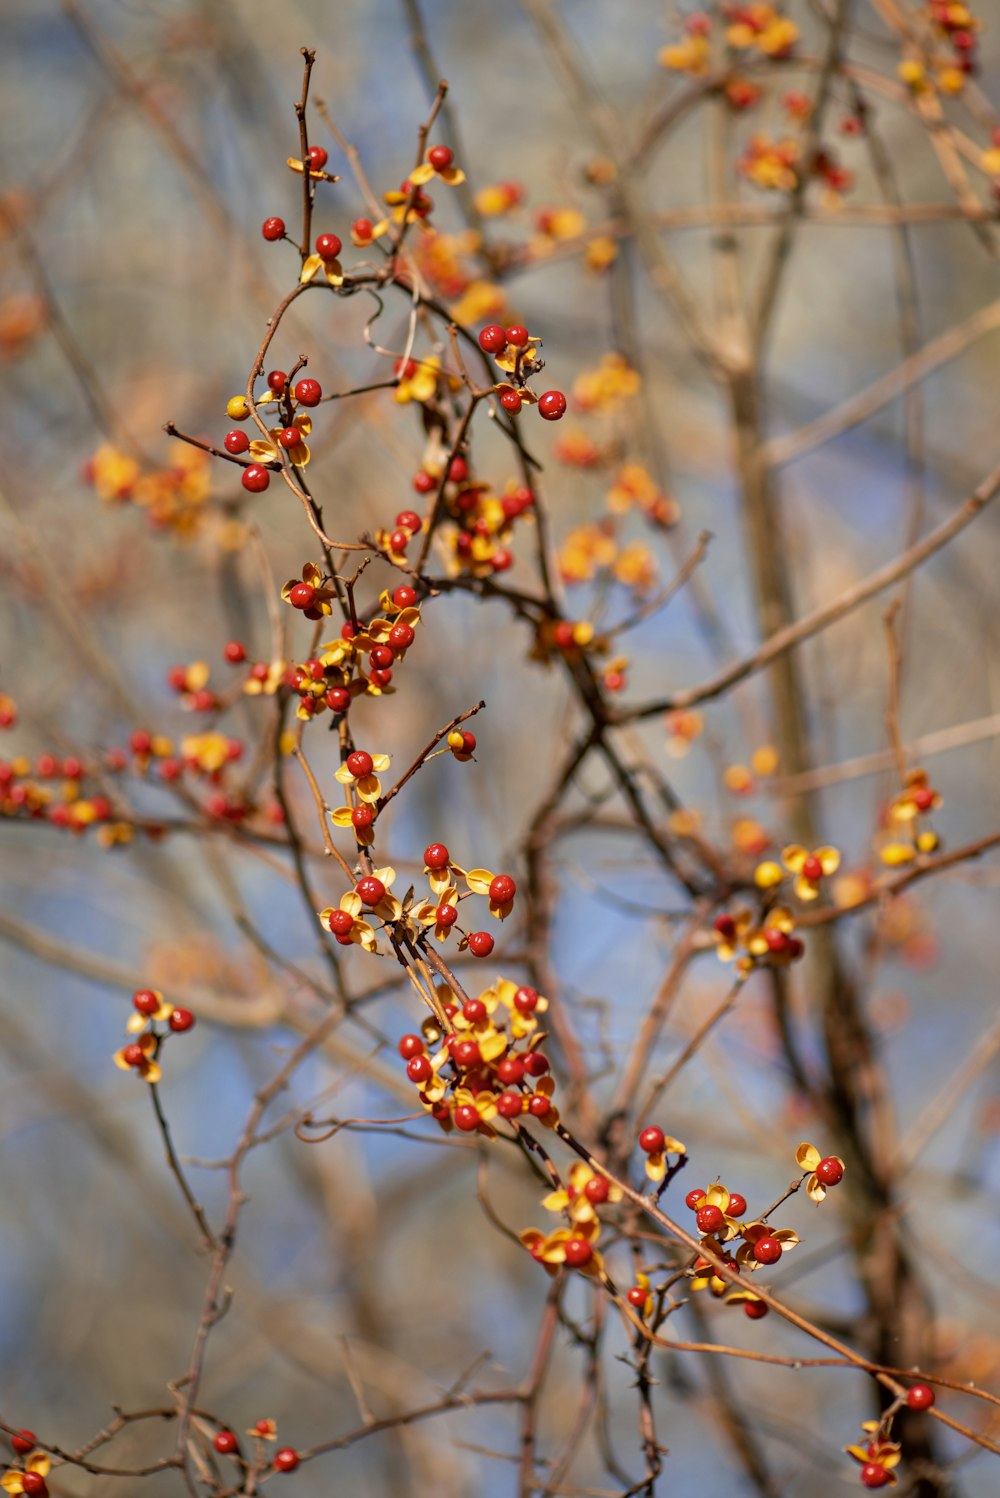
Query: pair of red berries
{"points": [[736, 1208], [493, 339]]}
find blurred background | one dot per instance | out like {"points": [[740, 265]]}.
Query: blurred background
{"points": [[142, 145]]}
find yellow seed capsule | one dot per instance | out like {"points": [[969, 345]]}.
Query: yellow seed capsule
{"points": [[237, 409], [456, 740]]}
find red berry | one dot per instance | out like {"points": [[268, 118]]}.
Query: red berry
{"points": [[458, 469], [436, 856], [468, 743], [552, 405], [234, 652], [481, 944], [562, 635], [526, 1000], [693, 1198], [347, 630], [381, 657], [446, 915], [401, 636], [830, 1171], [362, 228], [652, 1140], [539, 1105], [873, 1475], [328, 246], [767, 1250], [340, 922], [308, 392], [737, 1204], [277, 380], [709, 1219], [511, 401], [236, 441], [370, 890], [517, 335], [360, 763], [225, 1442], [466, 1054], [812, 869], [474, 1010], [597, 1190], [410, 1046], [424, 482], [511, 1070], [466, 1118], [440, 158], [255, 478], [923, 798], [289, 437], [24, 1441], [287, 1459], [502, 559], [145, 1001], [302, 596], [380, 678], [419, 1069], [637, 1297], [362, 817], [920, 1397], [756, 1310], [181, 1020], [493, 339], [535, 1064], [133, 1055], [509, 1104], [578, 1253], [399, 540], [317, 158], [34, 1484], [409, 520], [273, 228], [502, 889], [404, 597]]}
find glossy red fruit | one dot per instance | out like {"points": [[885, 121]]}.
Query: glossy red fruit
{"points": [[737, 1204], [652, 1140], [340, 922], [481, 944], [34, 1484], [399, 540], [401, 636], [338, 699], [362, 229], [502, 559], [419, 1069], [552, 405], [920, 1397], [317, 158], [181, 1020], [517, 335], [360, 763], [578, 1253], [502, 889], [255, 478], [873, 1475], [493, 339], [511, 401], [144, 1000], [409, 520], [474, 1010], [597, 1190], [535, 1064], [466, 1118], [302, 596], [133, 1054], [562, 635], [467, 1054], [693, 1198], [539, 1105], [830, 1172], [410, 1046], [328, 246], [235, 652], [404, 597], [436, 856], [756, 1310], [424, 482], [362, 818], [225, 1442], [812, 869], [458, 469], [637, 1297], [24, 1441], [273, 228], [440, 158], [526, 999], [289, 437], [287, 1459], [709, 1219], [923, 798], [308, 392], [509, 1105], [380, 678], [236, 442], [277, 380], [446, 916], [767, 1250], [370, 890], [381, 657]]}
